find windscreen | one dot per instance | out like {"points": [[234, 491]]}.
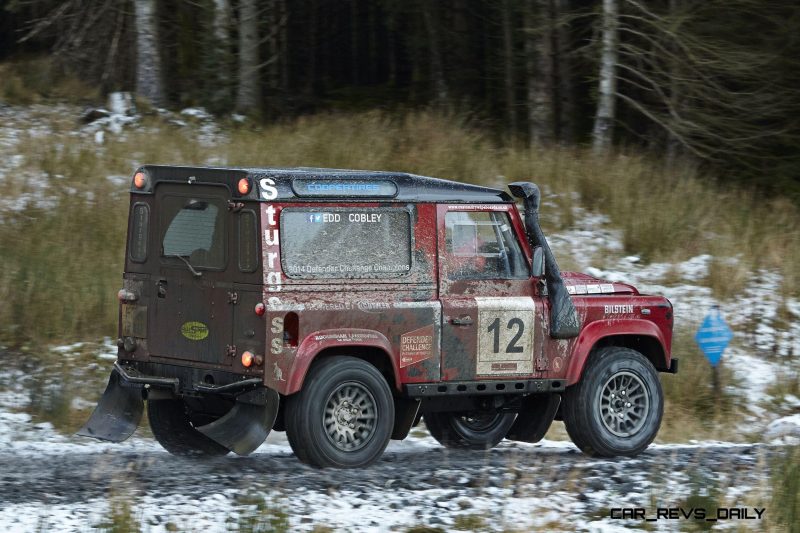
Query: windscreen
{"points": [[345, 242]]}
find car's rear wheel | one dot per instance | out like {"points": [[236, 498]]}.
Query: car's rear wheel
{"points": [[616, 407], [475, 430], [170, 421], [343, 416]]}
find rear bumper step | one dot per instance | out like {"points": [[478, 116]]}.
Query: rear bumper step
{"points": [[526, 386], [133, 376]]}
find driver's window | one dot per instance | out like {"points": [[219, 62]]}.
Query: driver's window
{"points": [[482, 245]]}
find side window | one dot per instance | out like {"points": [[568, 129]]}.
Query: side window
{"points": [[482, 245], [248, 241], [346, 242], [140, 222]]}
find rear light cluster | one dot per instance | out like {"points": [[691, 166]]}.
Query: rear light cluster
{"points": [[140, 180], [124, 296], [248, 359]]}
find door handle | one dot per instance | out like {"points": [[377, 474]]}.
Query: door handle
{"points": [[162, 288], [465, 320]]}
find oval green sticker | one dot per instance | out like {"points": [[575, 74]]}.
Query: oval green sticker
{"points": [[195, 331]]}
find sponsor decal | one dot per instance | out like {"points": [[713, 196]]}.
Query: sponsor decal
{"points": [[618, 309], [373, 307], [194, 331], [364, 188], [592, 288], [272, 246], [277, 372], [346, 337], [416, 346]]}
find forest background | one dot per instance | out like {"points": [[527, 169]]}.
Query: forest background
{"points": [[714, 82]]}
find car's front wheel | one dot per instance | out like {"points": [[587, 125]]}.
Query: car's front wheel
{"points": [[475, 430], [343, 416], [616, 407]]}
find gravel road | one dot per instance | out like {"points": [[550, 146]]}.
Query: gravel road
{"points": [[551, 485]]}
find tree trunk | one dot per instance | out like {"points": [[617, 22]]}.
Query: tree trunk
{"points": [[437, 72], [602, 135], [283, 45], [565, 105], [508, 66], [354, 41], [673, 144], [247, 94], [311, 60], [148, 63], [220, 60], [539, 64], [222, 23]]}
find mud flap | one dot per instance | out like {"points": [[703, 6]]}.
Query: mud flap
{"points": [[535, 417], [118, 413], [247, 424]]}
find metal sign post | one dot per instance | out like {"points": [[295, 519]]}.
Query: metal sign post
{"points": [[713, 337]]}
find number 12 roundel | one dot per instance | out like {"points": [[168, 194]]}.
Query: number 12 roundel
{"points": [[505, 336]]}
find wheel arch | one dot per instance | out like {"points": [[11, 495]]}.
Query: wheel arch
{"points": [[640, 335], [376, 351]]}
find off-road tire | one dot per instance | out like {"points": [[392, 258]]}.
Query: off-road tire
{"points": [[455, 430], [585, 403], [313, 414], [172, 427]]}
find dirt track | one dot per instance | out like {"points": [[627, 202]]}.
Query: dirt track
{"points": [[434, 484]]}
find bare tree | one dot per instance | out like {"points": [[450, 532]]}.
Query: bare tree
{"points": [[602, 134], [148, 62], [248, 90], [508, 65], [539, 66], [437, 70], [564, 84]]}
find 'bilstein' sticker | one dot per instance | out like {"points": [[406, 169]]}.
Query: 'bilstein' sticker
{"points": [[194, 331]]}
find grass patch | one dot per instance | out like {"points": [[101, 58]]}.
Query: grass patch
{"points": [[258, 515], [693, 408], [470, 522], [785, 505], [37, 80]]}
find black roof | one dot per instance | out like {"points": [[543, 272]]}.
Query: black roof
{"points": [[324, 184]]}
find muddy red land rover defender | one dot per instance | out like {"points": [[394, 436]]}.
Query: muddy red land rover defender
{"points": [[341, 306]]}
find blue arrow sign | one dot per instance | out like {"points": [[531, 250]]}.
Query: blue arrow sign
{"points": [[713, 336]]}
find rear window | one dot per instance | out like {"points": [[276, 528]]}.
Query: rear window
{"points": [[194, 230], [345, 242]]}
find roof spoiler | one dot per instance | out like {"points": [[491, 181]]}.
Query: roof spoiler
{"points": [[564, 321]]}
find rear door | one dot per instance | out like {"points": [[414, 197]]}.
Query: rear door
{"points": [[492, 316], [193, 312]]}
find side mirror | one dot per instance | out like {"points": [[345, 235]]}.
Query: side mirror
{"points": [[537, 265]]}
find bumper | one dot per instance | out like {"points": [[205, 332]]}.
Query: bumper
{"points": [[133, 376]]}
